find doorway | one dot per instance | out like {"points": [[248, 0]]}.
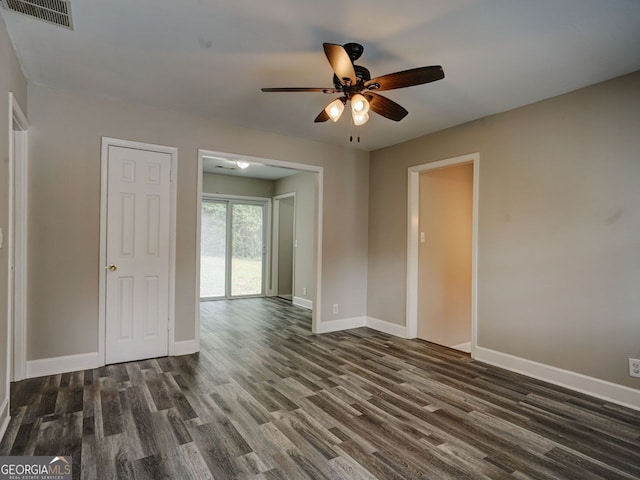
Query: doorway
{"points": [[284, 245], [442, 246], [223, 174], [16, 238], [232, 248], [137, 251]]}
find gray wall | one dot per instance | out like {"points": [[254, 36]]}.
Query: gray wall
{"points": [[230, 185], [11, 80], [559, 228], [64, 195], [285, 245], [444, 258], [305, 187]]}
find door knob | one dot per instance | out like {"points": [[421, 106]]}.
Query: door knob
{"points": [[112, 267]]}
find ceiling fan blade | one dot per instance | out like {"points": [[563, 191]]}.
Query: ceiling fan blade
{"points": [[406, 78], [385, 107], [299, 89], [323, 116], [340, 62]]}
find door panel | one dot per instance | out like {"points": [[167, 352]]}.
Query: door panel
{"points": [[213, 249], [137, 296], [247, 247]]}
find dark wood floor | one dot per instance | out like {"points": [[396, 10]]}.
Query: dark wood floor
{"points": [[265, 399]]}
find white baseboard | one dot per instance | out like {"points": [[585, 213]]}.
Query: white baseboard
{"points": [[387, 327], [463, 347], [341, 324], [4, 416], [185, 347], [611, 392], [302, 302], [65, 364], [286, 297]]}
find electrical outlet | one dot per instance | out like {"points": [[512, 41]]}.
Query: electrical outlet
{"points": [[335, 308], [304, 291], [634, 367]]}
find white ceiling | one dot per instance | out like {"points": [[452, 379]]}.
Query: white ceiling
{"points": [[225, 164], [211, 57]]}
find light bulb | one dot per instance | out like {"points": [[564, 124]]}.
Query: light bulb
{"points": [[360, 118], [359, 104], [243, 165], [335, 109]]}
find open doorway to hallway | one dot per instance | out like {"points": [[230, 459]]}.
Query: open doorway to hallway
{"points": [[441, 260], [259, 232]]}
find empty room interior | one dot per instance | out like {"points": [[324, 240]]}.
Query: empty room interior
{"points": [[292, 240]]}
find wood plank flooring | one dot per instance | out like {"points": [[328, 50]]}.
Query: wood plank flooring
{"points": [[266, 399]]}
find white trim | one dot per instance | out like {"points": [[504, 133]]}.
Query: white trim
{"points": [[387, 327], [199, 180], [316, 315], [341, 324], [186, 347], [16, 236], [463, 347], [611, 392], [4, 416], [413, 202], [173, 152], [302, 302], [64, 364]]}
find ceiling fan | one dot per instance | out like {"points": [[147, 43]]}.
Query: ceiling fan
{"points": [[355, 84]]}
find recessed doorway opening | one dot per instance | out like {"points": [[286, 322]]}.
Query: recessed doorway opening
{"points": [[442, 252], [259, 231]]}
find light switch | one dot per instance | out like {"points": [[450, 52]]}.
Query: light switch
{"points": [[421, 237]]}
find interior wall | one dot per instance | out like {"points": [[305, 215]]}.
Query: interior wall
{"points": [[444, 258], [304, 185], [64, 210], [285, 246], [11, 80], [559, 228], [242, 186]]}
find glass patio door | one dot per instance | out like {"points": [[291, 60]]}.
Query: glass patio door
{"points": [[232, 248]]}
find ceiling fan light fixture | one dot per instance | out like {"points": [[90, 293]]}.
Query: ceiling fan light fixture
{"points": [[242, 165], [359, 104], [335, 109], [359, 118]]}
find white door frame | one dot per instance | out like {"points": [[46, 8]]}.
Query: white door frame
{"points": [[316, 313], [275, 255], [173, 152], [413, 210], [16, 238]]}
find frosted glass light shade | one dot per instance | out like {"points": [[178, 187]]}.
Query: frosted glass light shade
{"points": [[335, 109], [360, 118], [359, 104]]}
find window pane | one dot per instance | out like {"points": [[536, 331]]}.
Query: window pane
{"points": [[213, 242], [247, 249]]}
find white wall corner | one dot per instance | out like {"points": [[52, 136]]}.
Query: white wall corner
{"points": [[64, 364], [387, 327], [186, 347], [341, 324], [611, 392], [302, 302], [4, 416]]}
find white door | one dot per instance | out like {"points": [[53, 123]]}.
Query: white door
{"points": [[138, 249]]}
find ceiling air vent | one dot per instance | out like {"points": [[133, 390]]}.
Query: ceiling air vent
{"points": [[57, 12]]}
